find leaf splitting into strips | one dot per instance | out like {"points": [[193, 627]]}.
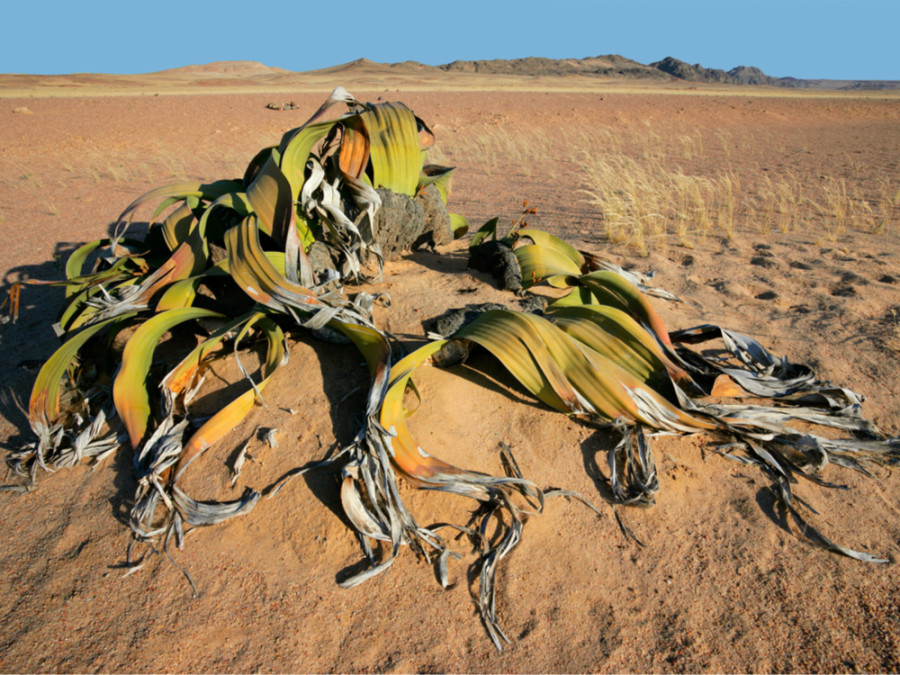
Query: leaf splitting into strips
{"points": [[257, 276], [764, 374], [405, 452], [44, 404], [232, 414], [593, 262], [200, 514], [136, 294], [180, 380], [255, 273], [76, 278], [295, 149], [163, 458]]}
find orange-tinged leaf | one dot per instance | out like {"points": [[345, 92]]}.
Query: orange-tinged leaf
{"points": [[181, 376], [232, 414], [354, 154], [612, 288], [130, 387], [408, 456], [725, 387]]}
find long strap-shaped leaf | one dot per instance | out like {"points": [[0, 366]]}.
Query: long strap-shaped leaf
{"points": [[406, 453], [548, 258], [43, 408], [295, 149], [182, 377], [617, 335], [129, 388], [257, 276], [167, 195], [614, 289], [582, 379], [228, 417], [393, 147]]}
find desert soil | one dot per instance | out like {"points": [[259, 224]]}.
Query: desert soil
{"points": [[722, 584]]}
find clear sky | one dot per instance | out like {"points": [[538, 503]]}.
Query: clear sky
{"points": [[837, 39]]}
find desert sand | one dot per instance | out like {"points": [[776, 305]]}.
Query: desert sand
{"points": [[723, 584]]}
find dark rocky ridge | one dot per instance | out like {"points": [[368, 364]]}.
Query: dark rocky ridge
{"points": [[739, 75], [613, 65], [609, 65]]}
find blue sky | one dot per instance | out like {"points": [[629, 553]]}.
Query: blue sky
{"points": [[839, 39]]}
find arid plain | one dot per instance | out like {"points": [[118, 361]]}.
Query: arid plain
{"points": [[772, 212]]}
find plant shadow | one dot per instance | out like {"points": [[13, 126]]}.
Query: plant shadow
{"points": [[28, 340]]}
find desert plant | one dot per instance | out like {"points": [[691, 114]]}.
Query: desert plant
{"points": [[208, 246], [602, 354], [236, 260]]}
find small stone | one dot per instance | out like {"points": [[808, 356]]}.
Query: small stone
{"points": [[843, 291], [450, 322], [760, 261], [498, 259]]}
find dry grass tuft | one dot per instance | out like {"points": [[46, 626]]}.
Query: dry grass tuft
{"points": [[651, 190]]}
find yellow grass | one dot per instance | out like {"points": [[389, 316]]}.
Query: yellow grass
{"points": [[643, 198]]}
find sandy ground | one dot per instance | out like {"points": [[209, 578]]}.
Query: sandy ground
{"points": [[722, 585]]}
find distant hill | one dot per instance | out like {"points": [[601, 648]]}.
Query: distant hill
{"points": [[223, 68], [252, 75], [697, 73], [749, 75], [611, 65], [616, 66]]}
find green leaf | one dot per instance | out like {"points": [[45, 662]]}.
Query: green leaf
{"points": [[394, 149], [172, 194], [130, 386], [489, 229], [43, 407], [459, 224]]}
